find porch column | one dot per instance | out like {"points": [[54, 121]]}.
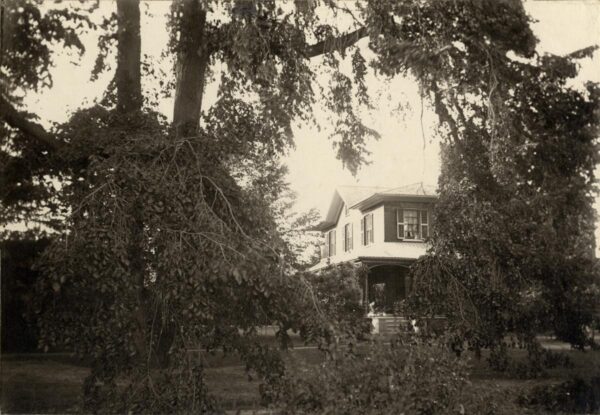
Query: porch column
{"points": [[366, 291]]}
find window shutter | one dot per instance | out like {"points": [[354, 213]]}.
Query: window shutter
{"points": [[400, 223], [372, 228], [362, 231], [351, 237], [332, 243], [348, 237]]}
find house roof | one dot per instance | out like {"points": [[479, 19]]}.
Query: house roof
{"points": [[415, 191], [351, 195], [419, 189], [363, 197]]}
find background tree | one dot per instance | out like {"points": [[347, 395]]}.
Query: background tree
{"points": [[513, 249], [28, 171]]}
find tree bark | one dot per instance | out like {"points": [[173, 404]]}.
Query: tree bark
{"points": [[129, 101], [192, 62], [129, 51]]}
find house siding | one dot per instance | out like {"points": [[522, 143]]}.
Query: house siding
{"points": [[355, 217], [390, 224], [385, 243]]}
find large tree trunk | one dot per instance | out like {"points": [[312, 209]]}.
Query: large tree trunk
{"points": [[128, 78], [192, 61], [129, 101]]}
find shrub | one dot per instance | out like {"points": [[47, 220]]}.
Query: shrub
{"points": [[18, 254], [573, 396], [409, 375], [333, 306]]}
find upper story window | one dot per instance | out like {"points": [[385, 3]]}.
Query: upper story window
{"points": [[348, 237], [366, 229], [412, 224]]}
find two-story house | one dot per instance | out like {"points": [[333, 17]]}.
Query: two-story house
{"points": [[385, 229]]}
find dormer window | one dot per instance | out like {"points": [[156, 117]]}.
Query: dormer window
{"points": [[412, 224]]}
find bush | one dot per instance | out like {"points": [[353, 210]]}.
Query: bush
{"points": [[333, 307], [573, 396], [18, 280], [409, 375]]}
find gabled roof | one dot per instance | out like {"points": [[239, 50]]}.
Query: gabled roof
{"points": [[351, 195], [362, 197], [415, 189]]}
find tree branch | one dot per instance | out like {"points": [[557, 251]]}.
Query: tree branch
{"points": [[344, 41], [18, 120], [583, 53], [336, 43]]}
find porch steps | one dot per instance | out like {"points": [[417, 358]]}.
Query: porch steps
{"points": [[390, 325]]}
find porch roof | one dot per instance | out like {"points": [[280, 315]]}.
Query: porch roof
{"points": [[372, 260]]}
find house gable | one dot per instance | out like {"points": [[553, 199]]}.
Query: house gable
{"points": [[345, 196]]}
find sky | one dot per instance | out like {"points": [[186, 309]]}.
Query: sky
{"points": [[408, 150]]}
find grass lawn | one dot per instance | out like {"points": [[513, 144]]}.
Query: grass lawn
{"points": [[51, 383]]}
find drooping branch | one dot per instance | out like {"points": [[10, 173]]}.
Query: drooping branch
{"points": [[336, 43], [20, 121]]}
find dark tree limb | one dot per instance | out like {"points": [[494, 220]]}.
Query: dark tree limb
{"points": [[583, 53], [336, 43], [128, 76], [20, 121]]}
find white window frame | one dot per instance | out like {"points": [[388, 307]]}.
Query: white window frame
{"points": [[399, 223], [420, 224]]}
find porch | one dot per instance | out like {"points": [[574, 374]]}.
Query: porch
{"points": [[386, 286]]}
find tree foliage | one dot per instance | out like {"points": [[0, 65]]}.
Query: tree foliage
{"points": [[513, 248]]}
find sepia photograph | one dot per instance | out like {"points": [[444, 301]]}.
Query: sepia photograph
{"points": [[300, 207]]}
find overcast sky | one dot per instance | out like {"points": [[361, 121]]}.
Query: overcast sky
{"points": [[408, 150]]}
